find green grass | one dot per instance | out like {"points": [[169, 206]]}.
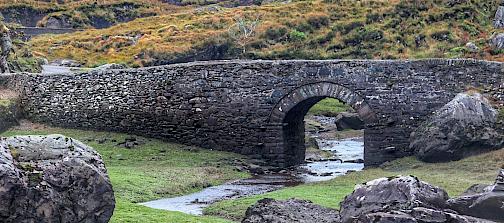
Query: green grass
{"points": [[127, 212], [155, 170], [454, 177], [328, 107]]}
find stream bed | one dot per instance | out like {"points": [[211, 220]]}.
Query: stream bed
{"points": [[345, 150]]}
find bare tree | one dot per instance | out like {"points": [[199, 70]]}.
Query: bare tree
{"points": [[5, 46], [243, 31]]}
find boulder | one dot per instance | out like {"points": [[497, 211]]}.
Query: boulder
{"points": [[292, 210], [347, 120], [463, 127], [66, 63], [53, 179], [418, 215], [58, 22], [497, 41], [499, 18], [487, 204], [477, 188], [387, 194]]}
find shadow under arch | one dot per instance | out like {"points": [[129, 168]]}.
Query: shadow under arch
{"points": [[289, 112]]}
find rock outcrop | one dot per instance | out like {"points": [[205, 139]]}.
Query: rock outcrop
{"points": [[497, 41], [390, 194], [486, 203], [292, 210], [418, 215], [66, 63], [392, 200], [53, 179], [463, 127], [499, 18], [407, 199], [347, 120]]}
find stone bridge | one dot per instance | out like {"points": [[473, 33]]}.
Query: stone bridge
{"points": [[256, 107]]}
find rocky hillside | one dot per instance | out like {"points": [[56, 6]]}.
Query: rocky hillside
{"points": [[318, 29], [81, 14]]}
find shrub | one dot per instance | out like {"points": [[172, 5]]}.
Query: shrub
{"points": [[442, 35], [373, 17], [363, 35], [318, 21], [347, 28], [296, 36], [275, 33]]}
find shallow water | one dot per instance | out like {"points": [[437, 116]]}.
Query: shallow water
{"points": [[346, 149]]}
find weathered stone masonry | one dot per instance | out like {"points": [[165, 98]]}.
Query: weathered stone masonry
{"points": [[256, 107]]}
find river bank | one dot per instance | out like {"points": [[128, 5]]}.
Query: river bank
{"points": [[141, 174]]}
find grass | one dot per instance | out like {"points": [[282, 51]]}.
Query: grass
{"points": [[454, 177], [328, 107], [310, 29], [155, 170]]}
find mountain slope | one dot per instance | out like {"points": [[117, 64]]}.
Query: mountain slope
{"points": [[329, 29]]}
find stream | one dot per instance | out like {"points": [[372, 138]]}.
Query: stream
{"points": [[345, 149]]}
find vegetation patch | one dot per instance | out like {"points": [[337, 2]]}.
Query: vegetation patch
{"points": [[312, 29]]}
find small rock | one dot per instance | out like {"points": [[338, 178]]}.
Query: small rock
{"points": [[255, 169], [112, 66], [355, 161], [472, 47], [101, 141]]}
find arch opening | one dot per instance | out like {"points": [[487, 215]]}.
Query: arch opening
{"points": [[291, 111]]}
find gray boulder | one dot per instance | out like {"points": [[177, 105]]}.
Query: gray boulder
{"points": [[499, 18], [497, 41], [59, 22], [488, 203], [53, 179], [66, 63], [419, 215], [347, 120], [292, 210], [463, 127], [389, 194]]}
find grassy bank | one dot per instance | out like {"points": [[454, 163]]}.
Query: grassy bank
{"points": [[154, 170], [328, 107], [455, 177]]}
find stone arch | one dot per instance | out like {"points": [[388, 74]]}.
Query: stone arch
{"points": [[289, 113]]}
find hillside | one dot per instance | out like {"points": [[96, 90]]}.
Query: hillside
{"points": [[315, 29], [79, 14]]}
